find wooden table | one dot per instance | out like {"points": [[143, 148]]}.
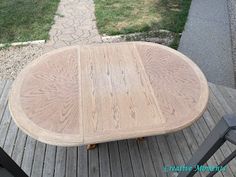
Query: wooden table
{"points": [[91, 94]]}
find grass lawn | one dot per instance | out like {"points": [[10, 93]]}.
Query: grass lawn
{"points": [[122, 16], [24, 20]]}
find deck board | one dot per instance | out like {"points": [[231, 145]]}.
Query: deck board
{"points": [[93, 163], [184, 148], [104, 160], [49, 161], [82, 162], [37, 168], [71, 161], [219, 157], [3, 98], [19, 147], [60, 166], [126, 164], [28, 157], [120, 158], [146, 158], [114, 159], [176, 154], [156, 156], [225, 148], [200, 138], [5, 123], [135, 158], [10, 138]]}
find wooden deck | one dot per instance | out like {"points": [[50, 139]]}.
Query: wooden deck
{"points": [[126, 158]]}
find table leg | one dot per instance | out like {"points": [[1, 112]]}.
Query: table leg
{"points": [[91, 146], [140, 139]]}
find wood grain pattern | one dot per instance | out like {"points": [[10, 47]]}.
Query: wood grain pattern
{"points": [[118, 98], [50, 93], [160, 151], [98, 93], [45, 98]]}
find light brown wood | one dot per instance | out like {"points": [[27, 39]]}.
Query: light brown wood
{"points": [[91, 146], [140, 139], [91, 94]]}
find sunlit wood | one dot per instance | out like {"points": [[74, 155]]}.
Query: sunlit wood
{"points": [[91, 94]]}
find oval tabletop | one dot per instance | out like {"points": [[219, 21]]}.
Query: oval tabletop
{"points": [[90, 94]]}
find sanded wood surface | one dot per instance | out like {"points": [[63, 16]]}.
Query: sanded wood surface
{"points": [[126, 157], [98, 93]]}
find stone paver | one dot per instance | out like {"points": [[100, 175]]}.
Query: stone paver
{"points": [[75, 23]]}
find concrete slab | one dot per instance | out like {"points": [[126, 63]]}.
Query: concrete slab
{"points": [[207, 40], [214, 10]]}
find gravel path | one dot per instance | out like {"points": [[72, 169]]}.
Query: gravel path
{"points": [[13, 59]]}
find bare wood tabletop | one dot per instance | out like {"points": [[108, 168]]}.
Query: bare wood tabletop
{"points": [[104, 92]]}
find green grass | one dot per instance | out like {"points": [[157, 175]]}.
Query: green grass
{"points": [[123, 17], [174, 14], [25, 20]]}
